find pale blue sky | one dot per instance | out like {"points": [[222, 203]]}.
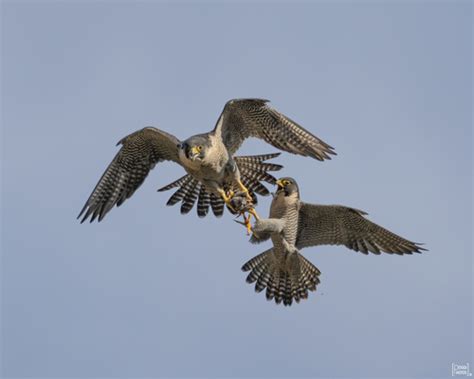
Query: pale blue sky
{"points": [[149, 292]]}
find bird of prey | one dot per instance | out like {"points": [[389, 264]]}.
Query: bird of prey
{"points": [[294, 225], [214, 174]]}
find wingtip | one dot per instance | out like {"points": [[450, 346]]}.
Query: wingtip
{"points": [[419, 248], [81, 213], [271, 155], [329, 153]]}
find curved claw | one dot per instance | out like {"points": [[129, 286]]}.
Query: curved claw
{"points": [[245, 190], [251, 210], [254, 213], [246, 223], [240, 222], [247, 220], [227, 199]]}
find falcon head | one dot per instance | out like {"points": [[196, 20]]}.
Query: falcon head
{"points": [[287, 186], [195, 147]]}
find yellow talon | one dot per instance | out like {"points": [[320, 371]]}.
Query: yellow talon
{"points": [[247, 219], [226, 198], [251, 212], [254, 213], [248, 224], [244, 190]]}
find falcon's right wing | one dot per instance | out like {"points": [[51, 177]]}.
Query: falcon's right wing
{"points": [[140, 152]]}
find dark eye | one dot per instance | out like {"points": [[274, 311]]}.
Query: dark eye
{"points": [[199, 148]]}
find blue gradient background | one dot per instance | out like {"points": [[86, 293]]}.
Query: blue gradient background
{"points": [[149, 292]]}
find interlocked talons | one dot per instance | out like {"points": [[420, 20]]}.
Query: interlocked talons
{"points": [[254, 213], [247, 219], [246, 208], [243, 208]]}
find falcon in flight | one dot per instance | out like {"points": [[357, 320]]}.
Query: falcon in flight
{"points": [[294, 225], [214, 174]]}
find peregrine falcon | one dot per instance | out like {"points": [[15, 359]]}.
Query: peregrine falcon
{"points": [[294, 225], [214, 174]]}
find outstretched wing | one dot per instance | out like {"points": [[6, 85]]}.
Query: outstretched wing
{"points": [[139, 153], [244, 118], [339, 225]]}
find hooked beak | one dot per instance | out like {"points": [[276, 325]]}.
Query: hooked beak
{"points": [[280, 184], [194, 153]]}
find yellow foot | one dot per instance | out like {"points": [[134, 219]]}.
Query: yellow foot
{"points": [[227, 198], [245, 190], [247, 223], [254, 213], [247, 220]]}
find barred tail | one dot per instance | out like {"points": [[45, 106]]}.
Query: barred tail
{"points": [[286, 278], [253, 170]]}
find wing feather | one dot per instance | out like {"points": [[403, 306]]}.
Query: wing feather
{"points": [[244, 118], [339, 225], [138, 155]]}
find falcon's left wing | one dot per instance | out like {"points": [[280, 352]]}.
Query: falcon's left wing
{"points": [[339, 225], [244, 118]]}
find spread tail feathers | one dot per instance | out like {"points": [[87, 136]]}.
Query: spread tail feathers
{"points": [[286, 278], [253, 170]]}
